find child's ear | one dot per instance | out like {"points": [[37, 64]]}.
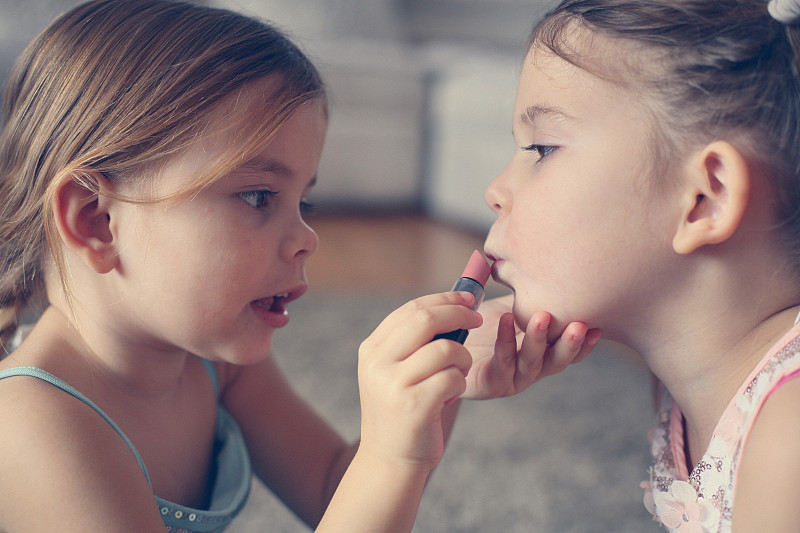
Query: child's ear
{"points": [[83, 220], [715, 196]]}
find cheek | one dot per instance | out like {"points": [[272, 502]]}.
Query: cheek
{"points": [[545, 237]]}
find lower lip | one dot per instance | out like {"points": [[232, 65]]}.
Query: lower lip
{"points": [[497, 274], [272, 319], [496, 269]]}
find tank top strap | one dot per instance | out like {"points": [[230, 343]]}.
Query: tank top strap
{"points": [[212, 374], [47, 377]]}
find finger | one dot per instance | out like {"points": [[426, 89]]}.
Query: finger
{"points": [[505, 347], [565, 349], [592, 338], [444, 386], [420, 387], [433, 358], [417, 322], [531, 357], [431, 325], [499, 373], [412, 307]]}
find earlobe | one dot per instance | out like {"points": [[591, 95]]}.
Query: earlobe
{"points": [[717, 191], [83, 220]]}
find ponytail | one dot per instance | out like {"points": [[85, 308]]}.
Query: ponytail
{"points": [[18, 291]]}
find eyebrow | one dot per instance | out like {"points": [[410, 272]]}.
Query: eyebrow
{"points": [[533, 113], [267, 166], [272, 166]]}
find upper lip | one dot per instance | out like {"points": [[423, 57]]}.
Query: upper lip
{"points": [[286, 296], [295, 292], [496, 260]]}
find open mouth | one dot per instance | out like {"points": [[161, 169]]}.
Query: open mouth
{"points": [[277, 304]]}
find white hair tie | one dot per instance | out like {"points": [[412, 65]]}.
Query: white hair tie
{"points": [[786, 11]]}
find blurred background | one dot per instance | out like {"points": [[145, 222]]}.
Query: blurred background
{"points": [[421, 99]]}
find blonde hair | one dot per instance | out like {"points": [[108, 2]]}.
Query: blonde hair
{"points": [[115, 86]]}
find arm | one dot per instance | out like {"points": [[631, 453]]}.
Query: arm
{"points": [[297, 454], [506, 360], [405, 382], [294, 451], [765, 496], [62, 467]]}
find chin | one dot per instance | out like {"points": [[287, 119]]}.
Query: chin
{"points": [[521, 316], [247, 352]]}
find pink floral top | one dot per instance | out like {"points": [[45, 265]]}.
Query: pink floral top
{"points": [[702, 501]]}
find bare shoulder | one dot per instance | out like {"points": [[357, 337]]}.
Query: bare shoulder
{"points": [[769, 471], [69, 470]]}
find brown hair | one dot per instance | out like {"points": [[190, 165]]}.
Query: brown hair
{"points": [[112, 86], [710, 69]]}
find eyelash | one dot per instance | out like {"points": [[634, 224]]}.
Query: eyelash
{"points": [[261, 197], [541, 149], [306, 207]]}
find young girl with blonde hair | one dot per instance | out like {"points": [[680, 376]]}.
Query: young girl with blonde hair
{"points": [[155, 164]]}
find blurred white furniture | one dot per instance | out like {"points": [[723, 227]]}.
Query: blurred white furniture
{"points": [[421, 92]]}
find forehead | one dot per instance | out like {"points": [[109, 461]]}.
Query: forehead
{"points": [[240, 145], [554, 89], [619, 60]]}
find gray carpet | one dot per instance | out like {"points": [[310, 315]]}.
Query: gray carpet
{"points": [[566, 456]]}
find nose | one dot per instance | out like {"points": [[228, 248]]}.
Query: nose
{"points": [[497, 195], [301, 243]]}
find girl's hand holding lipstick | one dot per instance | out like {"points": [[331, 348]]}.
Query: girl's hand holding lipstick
{"points": [[506, 360], [405, 380], [405, 383]]}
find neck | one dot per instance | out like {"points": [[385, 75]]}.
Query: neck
{"points": [[131, 369], [704, 364]]}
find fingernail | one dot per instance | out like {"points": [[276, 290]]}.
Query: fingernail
{"points": [[592, 339], [467, 297]]}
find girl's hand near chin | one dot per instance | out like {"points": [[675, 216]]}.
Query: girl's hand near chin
{"points": [[506, 360]]}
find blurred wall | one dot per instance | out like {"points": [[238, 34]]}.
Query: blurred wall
{"points": [[421, 92], [20, 21]]}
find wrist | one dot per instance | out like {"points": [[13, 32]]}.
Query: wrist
{"points": [[376, 494], [379, 459]]}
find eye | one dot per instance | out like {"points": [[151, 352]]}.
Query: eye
{"points": [[257, 199], [541, 149], [306, 207]]}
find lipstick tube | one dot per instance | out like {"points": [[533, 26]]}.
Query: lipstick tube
{"points": [[473, 280]]}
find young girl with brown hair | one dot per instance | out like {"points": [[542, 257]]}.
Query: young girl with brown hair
{"points": [[655, 194]]}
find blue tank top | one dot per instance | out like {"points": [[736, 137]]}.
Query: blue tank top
{"points": [[233, 474]]}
